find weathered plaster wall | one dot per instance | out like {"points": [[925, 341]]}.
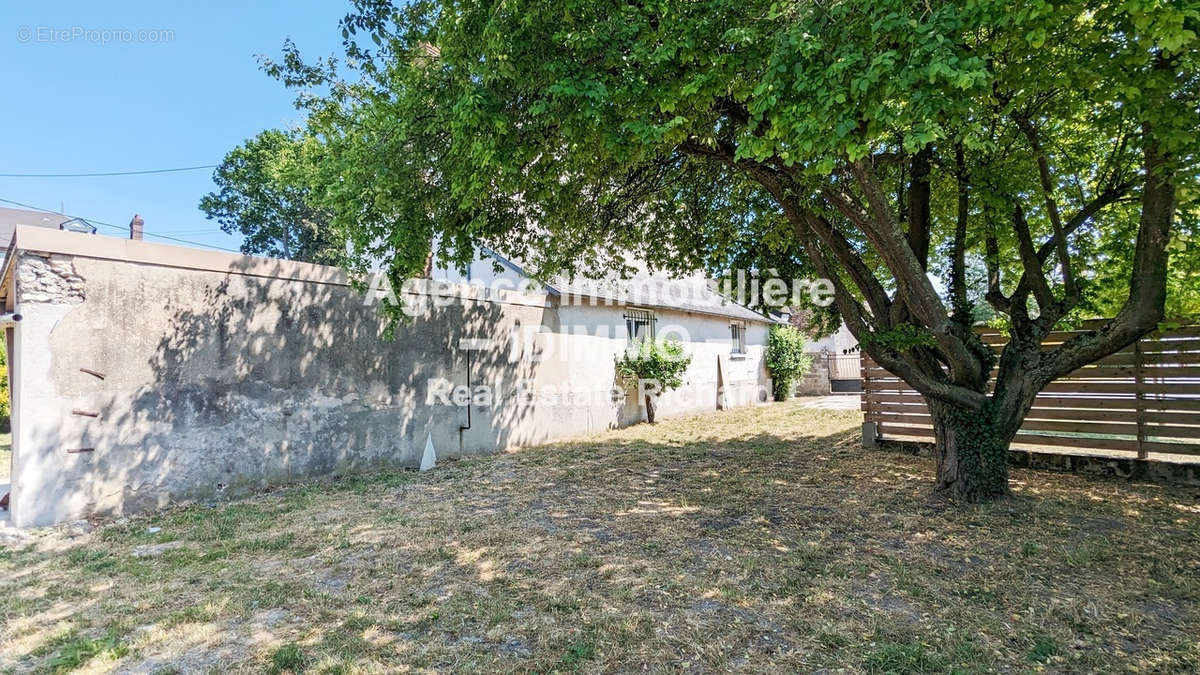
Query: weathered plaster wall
{"points": [[218, 382], [221, 382]]}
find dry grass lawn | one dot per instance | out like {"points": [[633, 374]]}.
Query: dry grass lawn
{"points": [[760, 540]]}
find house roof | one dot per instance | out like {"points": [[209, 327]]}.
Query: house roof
{"points": [[686, 294], [652, 291], [11, 218]]}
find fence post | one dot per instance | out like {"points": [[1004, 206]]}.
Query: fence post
{"points": [[829, 370], [870, 435], [1140, 411], [870, 428]]}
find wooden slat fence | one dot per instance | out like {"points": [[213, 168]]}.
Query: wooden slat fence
{"points": [[1140, 401]]}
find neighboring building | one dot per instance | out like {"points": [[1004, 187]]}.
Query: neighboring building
{"points": [[840, 343], [145, 374], [598, 318], [11, 218], [836, 365]]}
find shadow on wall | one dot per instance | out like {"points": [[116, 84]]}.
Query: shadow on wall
{"points": [[225, 383]]}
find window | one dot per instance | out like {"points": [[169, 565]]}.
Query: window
{"points": [[737, 337], [640, 324]]}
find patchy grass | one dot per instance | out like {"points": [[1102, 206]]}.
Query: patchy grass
{"points": [[72, 650], [288, 659], [755, 539]]}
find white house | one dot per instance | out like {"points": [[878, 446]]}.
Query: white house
{"points": [[597, 319]]}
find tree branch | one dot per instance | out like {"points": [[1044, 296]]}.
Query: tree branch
{"points": [[918, 205], [914, 286], [991, 259], [1026, 283], [1060, 235], [884, 232], [866, 281], [958, 261], [1108, 196], [964, 367], [1033, 278], [851, 311], [1146, 303]]}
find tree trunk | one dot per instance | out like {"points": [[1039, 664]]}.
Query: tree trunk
{"points": [[782, 388], [651, 407], [971, 449]]}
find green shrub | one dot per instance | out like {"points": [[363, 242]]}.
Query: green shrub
{"points": [[656, 366], [786, 359], [5, 412]]}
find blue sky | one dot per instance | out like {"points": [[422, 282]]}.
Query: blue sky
{"points": [[78, 105]]}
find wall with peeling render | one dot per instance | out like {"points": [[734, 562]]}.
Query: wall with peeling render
{"points": [[49, 278], [140, 385], [146, 374]]}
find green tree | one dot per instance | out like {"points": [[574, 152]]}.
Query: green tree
{"points": [[1183, 274], [655, 367], [786, 359], [883, 142], [263, 196]]}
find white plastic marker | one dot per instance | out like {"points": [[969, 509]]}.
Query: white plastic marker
{"points": [[429, 459]]}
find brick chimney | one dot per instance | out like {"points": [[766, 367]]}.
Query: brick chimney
{"points": [[135, 227]]}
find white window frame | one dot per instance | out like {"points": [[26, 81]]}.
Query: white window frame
{"points": [[737, 338]]}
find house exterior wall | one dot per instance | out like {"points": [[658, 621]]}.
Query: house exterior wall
{"points": [[840, 342], [598, 334], [217, 379]]}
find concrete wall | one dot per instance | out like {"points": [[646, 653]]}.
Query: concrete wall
{"points": [[213, 375]]}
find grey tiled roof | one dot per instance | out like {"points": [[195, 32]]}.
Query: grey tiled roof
{"points": [[652, 291], [10, 218], [690, 294]]}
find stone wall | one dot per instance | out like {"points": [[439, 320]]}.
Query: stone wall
{"points": [[816, 381]]}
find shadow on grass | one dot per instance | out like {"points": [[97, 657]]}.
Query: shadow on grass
{"points": [[696, 543]]}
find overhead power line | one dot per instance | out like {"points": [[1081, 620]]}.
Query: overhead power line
{"points": [[123, 228], [107, 173]]}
